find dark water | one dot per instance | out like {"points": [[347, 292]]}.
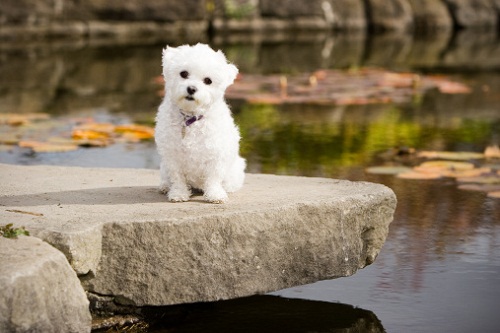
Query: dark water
{"points": [[439, 270]]}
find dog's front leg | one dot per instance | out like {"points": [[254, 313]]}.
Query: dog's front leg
{"points": [[174, 184], [213, 190]]}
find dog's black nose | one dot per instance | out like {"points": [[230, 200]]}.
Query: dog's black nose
{"points": [[191, 90]]}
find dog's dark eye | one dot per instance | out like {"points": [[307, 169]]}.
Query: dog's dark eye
{"points": [[184, 74], [207, 81]]}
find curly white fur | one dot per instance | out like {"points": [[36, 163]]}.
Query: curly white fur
{"points": [[195, 134]]}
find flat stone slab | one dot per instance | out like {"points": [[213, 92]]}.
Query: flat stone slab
{"points": [[125, 240], [39, 292]]}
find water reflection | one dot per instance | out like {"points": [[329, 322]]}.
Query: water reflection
{"points": [[324, 141], [440, 267]]}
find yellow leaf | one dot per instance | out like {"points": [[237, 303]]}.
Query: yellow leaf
{"points": [[91, 143], [85, 134], [105, 128], [133, 131]]}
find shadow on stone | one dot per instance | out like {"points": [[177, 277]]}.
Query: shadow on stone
{"points": [[94, 196], [262, 314]]}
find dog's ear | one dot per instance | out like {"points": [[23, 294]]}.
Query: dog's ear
{"points": [[232, 72], [168, 54]]}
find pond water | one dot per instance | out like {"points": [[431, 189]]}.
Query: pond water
{"points": [[439, 270]]}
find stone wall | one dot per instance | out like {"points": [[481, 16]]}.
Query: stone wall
{"points": [[20, 19]]}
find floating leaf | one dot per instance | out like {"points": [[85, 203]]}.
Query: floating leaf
{"points": [[419, 175], [81, 134], [91, 143], [96, 127], [46, 147], [450, 155], [387, 170], [8, 139], [449, 87], [495, 194], [18, 119], [133, 131], [481, 180], [480, 187], [435, 166], [492, 152], [399, 80], [466, 173], [337, 87]]}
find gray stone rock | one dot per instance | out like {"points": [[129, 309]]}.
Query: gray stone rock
{"points": [[348, 14], [140, 10], [473, 13], [290, 8], [45, 11], [430, 16], [39, 290], [389, 15], [277, 232]]}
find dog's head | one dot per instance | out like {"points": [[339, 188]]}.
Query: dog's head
{"points": [[196, 76]]}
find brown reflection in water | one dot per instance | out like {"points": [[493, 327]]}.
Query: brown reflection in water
{"points": [[434, 221]]}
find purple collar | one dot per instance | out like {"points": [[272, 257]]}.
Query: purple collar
{"points": [[189, 120]]}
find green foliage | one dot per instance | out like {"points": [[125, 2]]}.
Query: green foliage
{"points": [[8, 231], [239, 9]]}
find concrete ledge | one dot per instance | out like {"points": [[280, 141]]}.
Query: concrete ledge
{"points": [[124, 240]]}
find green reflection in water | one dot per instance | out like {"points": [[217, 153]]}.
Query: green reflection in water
{"points": [[320, 141]]}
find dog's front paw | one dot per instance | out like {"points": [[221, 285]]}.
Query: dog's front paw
{"points": [[217, 196], [163, 188], [178, 195]]}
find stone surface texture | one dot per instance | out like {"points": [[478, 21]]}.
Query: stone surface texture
{"points": [[389, 15], [473, 13], [430, 16], [348, 14], [30, 19], [125, 240], [39, 291]]}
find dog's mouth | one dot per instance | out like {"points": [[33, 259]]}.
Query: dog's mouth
{"points": [[190, 98]]}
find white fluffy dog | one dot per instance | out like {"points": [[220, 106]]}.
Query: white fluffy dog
{"points": [[195, 134]]}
